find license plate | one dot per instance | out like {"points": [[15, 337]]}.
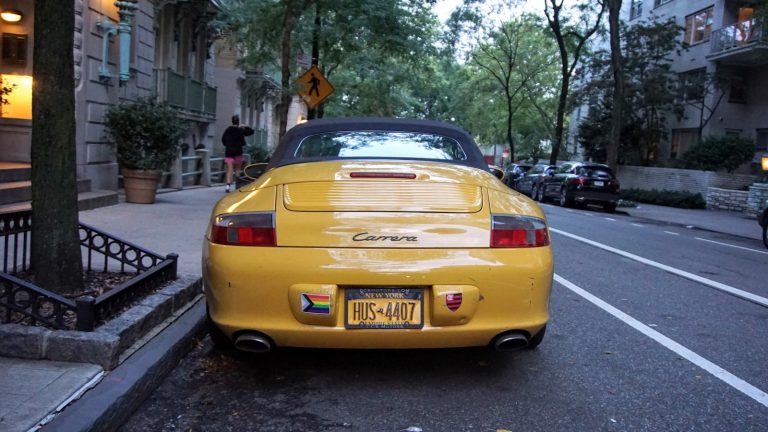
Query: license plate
{"points": [[384, 308], [598, 183]]}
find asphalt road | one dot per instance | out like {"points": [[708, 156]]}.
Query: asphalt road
{"points": [[653, 328]]}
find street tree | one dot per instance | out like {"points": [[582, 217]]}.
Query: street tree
{"points": [[512, 58], [371, 33], [55, 246], [612, 149], [650, 93], [571, 38]]}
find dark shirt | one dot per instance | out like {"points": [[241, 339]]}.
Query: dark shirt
{"points": [[234, 140]]}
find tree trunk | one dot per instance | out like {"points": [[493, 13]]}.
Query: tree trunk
{"points": [[510, 139], [55, 249], [286, 96], [612, 150], [567, 66], [312, 112]]}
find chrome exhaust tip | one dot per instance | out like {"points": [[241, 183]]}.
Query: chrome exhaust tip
{"points": [[510, 342], [253, 343]]}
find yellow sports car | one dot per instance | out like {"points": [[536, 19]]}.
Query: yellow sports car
{"points": [[377, 233]]}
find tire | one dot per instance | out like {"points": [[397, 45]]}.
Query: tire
{"points": [[537, 338], [219, 339], [609, 208], [565, 200]]}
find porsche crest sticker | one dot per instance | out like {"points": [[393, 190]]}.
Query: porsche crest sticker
{"points": [[453, 301]]}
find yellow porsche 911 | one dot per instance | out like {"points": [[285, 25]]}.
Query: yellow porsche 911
{"points": [[377, 233]]}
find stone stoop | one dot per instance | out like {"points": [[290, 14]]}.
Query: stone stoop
{"points": [[113, 341], [16, 190]]}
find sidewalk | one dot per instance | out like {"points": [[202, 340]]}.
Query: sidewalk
{"points": [[33, 390], [733, 223], [89, 398]]}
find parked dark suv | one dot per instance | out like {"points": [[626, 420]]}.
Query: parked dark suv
{"points": [[581, 183], [513, 172], [529, 183]]}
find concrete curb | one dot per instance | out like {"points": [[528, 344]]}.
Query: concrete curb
{"points": [[108, 342], [111, 402]]}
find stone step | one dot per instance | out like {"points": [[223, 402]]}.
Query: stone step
{"points": [[18, 191], [85, 201], [14, 172]]}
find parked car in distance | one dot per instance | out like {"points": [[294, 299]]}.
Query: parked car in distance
{"points": [[581, 183], [529, 182], [762, 219], [513, 172], [377, 233]]}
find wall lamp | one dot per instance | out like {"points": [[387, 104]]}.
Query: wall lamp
{"points": [[764, 162], [11, 16]]}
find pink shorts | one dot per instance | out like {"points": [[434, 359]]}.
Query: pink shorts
{"points": [[236, 159]]}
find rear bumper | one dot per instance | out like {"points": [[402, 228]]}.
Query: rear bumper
{"points": [[258, 289], [595, 197]]}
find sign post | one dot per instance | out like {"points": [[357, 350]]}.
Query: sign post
{"points": [[313, 87]]}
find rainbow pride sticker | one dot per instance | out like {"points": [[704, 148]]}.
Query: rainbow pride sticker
{"points": [[316, 303]]}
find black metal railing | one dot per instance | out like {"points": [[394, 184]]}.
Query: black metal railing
{"points": [[22, 301]]}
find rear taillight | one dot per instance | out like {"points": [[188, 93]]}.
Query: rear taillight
{"points": [[579, 180], [510, 231], [613, 184], [244, 229]]}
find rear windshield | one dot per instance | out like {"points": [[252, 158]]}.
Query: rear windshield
{"points": [[380, 144], [595, 171]]}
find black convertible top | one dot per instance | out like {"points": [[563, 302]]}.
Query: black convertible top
{"points": [[285, 152]]}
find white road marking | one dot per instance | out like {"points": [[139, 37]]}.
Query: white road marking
{"points": [[610, 219], [638, 225], [682, 273], [671, 232], [733, 246], [723, 375]]}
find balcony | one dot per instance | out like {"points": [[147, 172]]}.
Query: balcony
{"points": [[194, 99], [742, 43]]}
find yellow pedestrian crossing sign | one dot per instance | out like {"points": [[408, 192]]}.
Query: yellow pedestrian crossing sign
{"points": [[313, 87]]}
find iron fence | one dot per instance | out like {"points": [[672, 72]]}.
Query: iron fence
{"points": [[23, 301]]}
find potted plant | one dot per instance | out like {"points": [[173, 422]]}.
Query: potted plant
{"points": [[146, 136]]}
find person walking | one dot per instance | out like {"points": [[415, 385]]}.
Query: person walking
{"points": [[234, 141]]}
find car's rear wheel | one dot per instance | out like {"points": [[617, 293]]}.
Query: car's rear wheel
{"points": [[565, 200], [537, 338], [219, 339], [609, 208]]}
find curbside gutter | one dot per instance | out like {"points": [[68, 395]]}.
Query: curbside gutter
{"points": [[111, 402]]}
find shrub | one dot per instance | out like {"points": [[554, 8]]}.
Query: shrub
{"points": [[715, 152], [145, 133], [666, 198]]}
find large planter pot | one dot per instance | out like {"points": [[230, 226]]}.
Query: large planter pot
{"points": [[141, 185]]}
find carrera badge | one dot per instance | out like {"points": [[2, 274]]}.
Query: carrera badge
{"points": [[453, 301]]}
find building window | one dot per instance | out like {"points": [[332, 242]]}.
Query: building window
{"points": [[693, 84], [657, 3], [732, 133], [698, 26], [635, 9], [738, 91], [761, 143], [682, 140], [17, 101]]}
